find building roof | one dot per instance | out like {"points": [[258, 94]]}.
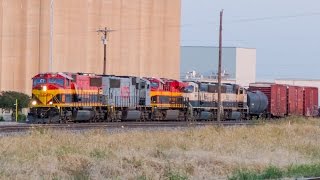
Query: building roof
{"points": [[222, 47], [296, 79]]}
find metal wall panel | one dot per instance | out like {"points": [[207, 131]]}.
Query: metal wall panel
{"points": [[278, 100], [310, 101], [238, 63], [295, 100], [246, 66], [300, 82], [277, 97]]}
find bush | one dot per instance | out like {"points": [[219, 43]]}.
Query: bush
{"points": [[1, 118], [22, 118]]}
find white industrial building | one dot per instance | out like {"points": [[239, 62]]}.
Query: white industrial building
{"points": [[238, 64], [301, 82]]}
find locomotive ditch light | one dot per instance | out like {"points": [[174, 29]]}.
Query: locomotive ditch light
{"points": [[50, 102], [44, 88], [34, 102]]}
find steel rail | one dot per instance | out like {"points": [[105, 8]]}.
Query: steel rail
{"points": [[79, 126]]}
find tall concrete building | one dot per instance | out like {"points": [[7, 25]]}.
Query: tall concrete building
{"points": [[146, 40], [238, 64]]}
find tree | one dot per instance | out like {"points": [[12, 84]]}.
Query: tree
{"points": [[8, 100]]}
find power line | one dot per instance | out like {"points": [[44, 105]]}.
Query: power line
{"points": [[275, 17]]}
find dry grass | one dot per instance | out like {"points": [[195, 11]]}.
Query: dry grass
{"points": [[194, 153]]}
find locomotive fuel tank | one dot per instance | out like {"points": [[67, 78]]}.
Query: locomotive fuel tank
{"points": [[205, 115], [131, 115], [257, 102], [83, 115]]}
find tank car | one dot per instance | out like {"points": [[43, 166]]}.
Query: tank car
{"points": [[257, 103]]}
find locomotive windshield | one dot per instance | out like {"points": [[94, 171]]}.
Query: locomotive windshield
{"points": [[189, 89], [38, 81], [154, 85], [57, 81]]}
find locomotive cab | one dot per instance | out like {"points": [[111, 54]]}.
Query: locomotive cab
{"points": [[191, 92], [46, 88]]}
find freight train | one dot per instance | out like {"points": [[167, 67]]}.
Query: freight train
{"points": [[86, 97]]}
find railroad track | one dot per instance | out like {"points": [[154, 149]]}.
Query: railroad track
{"points": [[80, 126]]}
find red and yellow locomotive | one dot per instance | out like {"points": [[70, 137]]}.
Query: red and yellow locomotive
{"points": [[55, 95], [167, 99]]}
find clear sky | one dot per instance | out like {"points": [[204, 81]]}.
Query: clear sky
{"points": [[286, 33]]}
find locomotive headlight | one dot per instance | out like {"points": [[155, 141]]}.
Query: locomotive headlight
{"points": [[50, 102], [44, 88], [34, 102]]}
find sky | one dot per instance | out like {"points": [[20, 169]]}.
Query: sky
{"points": [[286, 33]]}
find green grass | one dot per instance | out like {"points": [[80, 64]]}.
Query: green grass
{"points": [[272, 172], [172, 175], [312, 170]]}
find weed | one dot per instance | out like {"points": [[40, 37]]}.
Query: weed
{"points": [[80, 175], [269, 173], [312, 170], [244, 175], [172, 175], [22, 118], [143, 177], [38, 130], [273, 172], [135, 162], [98, 154], [64, 150]]}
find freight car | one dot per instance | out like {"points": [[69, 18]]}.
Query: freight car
{"points": [[287, 100], [64, 97]]}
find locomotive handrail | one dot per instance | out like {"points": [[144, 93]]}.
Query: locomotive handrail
{"points": [[56, 99]]}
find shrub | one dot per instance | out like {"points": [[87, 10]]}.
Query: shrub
{"points": [[22, 118]]}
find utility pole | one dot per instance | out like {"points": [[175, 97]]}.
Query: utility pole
{"points": [[219, 68], [104, 40], [51, 36], [16, 110]]}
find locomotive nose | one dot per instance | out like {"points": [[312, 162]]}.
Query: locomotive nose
{"points": [[43, 94]]}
